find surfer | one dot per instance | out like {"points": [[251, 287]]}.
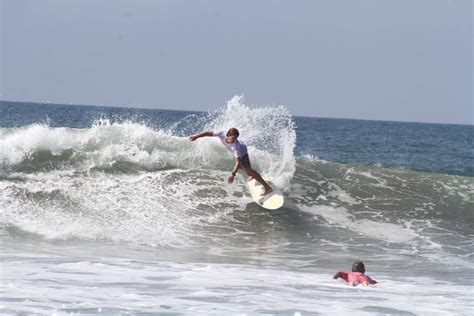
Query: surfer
{"points": [[357, 276], [239, 150]]}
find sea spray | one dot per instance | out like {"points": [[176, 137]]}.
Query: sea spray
{"points": [[268, 131]]}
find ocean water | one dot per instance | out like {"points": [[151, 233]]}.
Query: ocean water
{"points": [[113, 211]]}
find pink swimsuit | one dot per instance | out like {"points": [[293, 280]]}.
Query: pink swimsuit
{"points": [[357, 277]]}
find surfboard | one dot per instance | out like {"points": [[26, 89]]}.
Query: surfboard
{"points": [[270, 201]]}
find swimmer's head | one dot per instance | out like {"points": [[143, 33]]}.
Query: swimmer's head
{"points": [[358, 266]]}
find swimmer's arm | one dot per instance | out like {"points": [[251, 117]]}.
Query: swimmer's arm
{"points": [[366, 280], [202, 134], [342, 275], [371, 281]]}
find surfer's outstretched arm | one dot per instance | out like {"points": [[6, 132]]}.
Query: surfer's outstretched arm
{"points": [[202, 134]]}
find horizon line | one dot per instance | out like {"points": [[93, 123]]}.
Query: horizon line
{"points": [[207, 111]]}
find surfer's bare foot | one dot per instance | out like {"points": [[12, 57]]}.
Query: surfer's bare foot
{"points": [[249, 178], [265, 191]]}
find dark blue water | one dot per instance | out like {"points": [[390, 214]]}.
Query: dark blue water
{"points": [[439, 148]]}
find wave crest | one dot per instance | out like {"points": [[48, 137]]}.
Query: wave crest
{"points": [[130, 146]]}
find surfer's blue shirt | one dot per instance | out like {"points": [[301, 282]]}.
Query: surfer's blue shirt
{"points": [[238, 148]]}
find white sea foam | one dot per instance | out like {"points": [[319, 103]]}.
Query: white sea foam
{"points": [[340, 216], [313, 158], [155, 208], [101, 142], [341, 195], [18, 143], [39, 284]]}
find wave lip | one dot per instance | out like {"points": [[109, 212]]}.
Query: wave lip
{"points": [[269, 133], [120, 146]]}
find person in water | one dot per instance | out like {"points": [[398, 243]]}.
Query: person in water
{"points": [[357, 276], [239, 150]]}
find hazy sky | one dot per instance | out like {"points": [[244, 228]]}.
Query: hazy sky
{"points": [[409, 60]]}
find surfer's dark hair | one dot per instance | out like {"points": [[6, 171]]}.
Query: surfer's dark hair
{"points": [[233, 132], [358, 266]]}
